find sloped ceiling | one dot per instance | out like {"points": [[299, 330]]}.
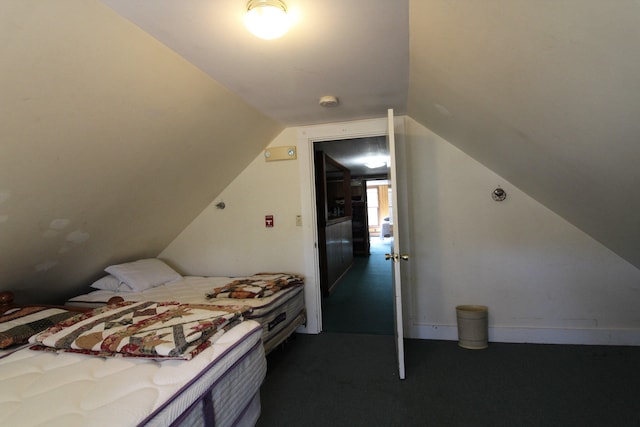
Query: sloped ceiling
{"points": [[110, 144], [357, 50], [113, 138], [545, 93]]}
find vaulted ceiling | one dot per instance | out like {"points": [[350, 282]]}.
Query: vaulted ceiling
{"points": [[357, 50], [545, 93], [98, 95], [110, 144]]}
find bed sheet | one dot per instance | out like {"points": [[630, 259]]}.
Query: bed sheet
{"points": [[66, 389]]}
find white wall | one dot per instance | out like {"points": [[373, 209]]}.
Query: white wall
{"points": [[234, 240], [543, 279]]}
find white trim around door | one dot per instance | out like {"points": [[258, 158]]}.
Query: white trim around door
{"points": [[306, 137]]}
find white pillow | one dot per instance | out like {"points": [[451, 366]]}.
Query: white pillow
{"points": [[110, 283], [143, 274]]}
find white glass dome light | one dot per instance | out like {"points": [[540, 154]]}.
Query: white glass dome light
{"points": [[376, 162], [267, 19]]}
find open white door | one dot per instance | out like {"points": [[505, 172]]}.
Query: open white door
{"points": [[394, 256]]}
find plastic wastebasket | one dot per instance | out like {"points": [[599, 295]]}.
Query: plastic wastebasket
{"points": [[473, 328]]}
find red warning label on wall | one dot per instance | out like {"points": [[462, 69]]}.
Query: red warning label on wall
{"points": [[268, 221]]}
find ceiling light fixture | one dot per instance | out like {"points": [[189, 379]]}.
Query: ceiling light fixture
{"points": [[375, 165], [267, 19], [376, 162]]}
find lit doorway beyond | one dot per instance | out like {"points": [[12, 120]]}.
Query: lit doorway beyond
{"points": [[361, 301], [307, 138]]}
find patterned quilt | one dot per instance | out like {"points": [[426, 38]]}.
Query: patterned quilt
{"points": [[17, 325], [142, 329], [260, 285]]}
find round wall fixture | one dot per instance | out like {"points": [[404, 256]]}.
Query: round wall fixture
{"points": [[328, 101], [498, 194]]}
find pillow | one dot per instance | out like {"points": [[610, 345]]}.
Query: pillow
{"points": [[16, 326], [143, 274], [110, 283]]}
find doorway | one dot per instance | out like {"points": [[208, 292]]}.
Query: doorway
{"points": [[389, 127], [306, 138], [361, 300]]}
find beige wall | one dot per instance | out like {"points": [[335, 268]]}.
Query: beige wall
{"points": [[110, 144], [234, 240], [545, 94], [542, 278]]}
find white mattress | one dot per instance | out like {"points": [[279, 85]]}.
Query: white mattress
{"points": [[67, 389], [4, 352], [274, 312]]}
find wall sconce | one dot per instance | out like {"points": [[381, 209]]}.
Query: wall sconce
{"points": [[267, 19], [329, 101], [498, 194]]}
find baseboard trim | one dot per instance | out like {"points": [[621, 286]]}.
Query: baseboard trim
{"points": [[582, 336]]}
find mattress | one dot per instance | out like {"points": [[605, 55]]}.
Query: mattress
{"points": [[7, 351], [279, 314], [68, 389]]}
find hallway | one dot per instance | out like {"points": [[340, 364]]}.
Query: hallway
{"points": [[362, 302]]}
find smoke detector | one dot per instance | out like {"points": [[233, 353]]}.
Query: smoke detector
{"points": [[329, 101]]}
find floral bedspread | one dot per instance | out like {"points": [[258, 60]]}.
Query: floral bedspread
{"points": [[142, 329], [260, 285]]}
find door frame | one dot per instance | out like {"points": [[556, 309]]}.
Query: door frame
{"points": [[306, 137]]}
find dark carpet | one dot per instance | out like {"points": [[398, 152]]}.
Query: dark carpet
{"points": [[362, 302], [337, 379], [347, 375]]}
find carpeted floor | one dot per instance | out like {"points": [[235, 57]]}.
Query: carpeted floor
{"points": [[347, 375], [338, 379], [362, 302]]}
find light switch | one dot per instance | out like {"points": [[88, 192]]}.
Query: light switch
{"points": [[299, 220]]}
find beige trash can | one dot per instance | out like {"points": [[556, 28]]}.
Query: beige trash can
{"points": [[473, 328]]}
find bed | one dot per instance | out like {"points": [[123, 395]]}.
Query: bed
{"points": [[280, 311], [218, 386]]}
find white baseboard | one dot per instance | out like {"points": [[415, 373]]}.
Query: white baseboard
{"points": [[582, 336]]}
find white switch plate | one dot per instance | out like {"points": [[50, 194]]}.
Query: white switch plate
{"points": [[299, 220]]}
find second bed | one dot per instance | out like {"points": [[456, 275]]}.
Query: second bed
{"points": [[279, 313]]}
